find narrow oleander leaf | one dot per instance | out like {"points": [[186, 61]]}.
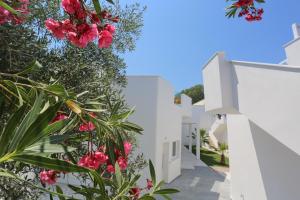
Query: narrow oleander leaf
{"points": [[48, 148], [40, 127], [60, 191], [134, 180], [131, 127], [6, 135], [118, 175], [165, 196], [97, 7], [33, 67], [152, 172], [100, 182], [57, 89], [50, 129], [147, 197], [111, 1], [49, 163], [26, 122], [7, 7], [166, 191]]}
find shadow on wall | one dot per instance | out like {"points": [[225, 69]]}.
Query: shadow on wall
{"points": [[278, 164]]}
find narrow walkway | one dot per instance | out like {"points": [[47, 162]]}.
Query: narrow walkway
{"points": [[198, 181]]}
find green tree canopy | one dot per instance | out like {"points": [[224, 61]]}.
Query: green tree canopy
{"points": [[196, 93]]}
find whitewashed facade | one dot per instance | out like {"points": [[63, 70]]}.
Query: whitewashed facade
{"points": [[261, 102], [155, 111]]}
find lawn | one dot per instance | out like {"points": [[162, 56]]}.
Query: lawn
{"points": [[211, 158]]}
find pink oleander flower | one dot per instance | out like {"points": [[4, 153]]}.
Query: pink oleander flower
{"points": [[93, 161], [4, 16], [71, 6], [89, 34], [122, 162], [88, 162], [105, 39], [55, 28], [127, 147], [87, 127], [48, 177], [101, 157], [149, 184], [110, 169], [110, 28], [68, 26], [135, 192], [59, 117]]}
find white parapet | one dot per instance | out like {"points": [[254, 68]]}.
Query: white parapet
{"points": [[217, 85], [296, 30]]}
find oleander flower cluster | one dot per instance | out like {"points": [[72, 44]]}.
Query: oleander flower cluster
{"points": [[83, 26], [21, 6], [98, 160], [248, 11]]}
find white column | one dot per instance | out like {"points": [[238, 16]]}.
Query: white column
{"points": [[198, 145], [190, 137]]}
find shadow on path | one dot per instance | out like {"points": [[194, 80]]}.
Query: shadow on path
{"points": [[201, 183]]}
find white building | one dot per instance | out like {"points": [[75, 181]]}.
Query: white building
{"points": [[215, 126], [261, 102], [161, 119]]}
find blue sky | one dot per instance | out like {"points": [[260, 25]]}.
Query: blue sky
{"points": [[179, 37]]}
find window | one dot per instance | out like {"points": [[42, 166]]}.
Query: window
{"points": [[175, 149]]}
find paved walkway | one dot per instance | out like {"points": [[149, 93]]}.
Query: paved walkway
{"points": [[199, 182]]}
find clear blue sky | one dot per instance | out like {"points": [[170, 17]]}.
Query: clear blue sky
{"points": [[180, 36]]}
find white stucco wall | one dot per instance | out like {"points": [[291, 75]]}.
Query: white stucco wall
{"points": [[153, 99], [263, 124], [292, 52]]}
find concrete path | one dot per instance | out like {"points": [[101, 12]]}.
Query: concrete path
{"points": [[199, 182], [188, 160]]}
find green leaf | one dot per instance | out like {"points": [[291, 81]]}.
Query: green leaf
{"points": [[7, 7], [147, 197], [131, 127], [159, 185], [111, 1], [152, 172], [10, 127], [46, 147], [59, 190], [41, 128], [134, 180], [118, 175], [15, 90], [99, 181], [166, 191], [57, 89], [33, 67], [50, 129], [49, 163], [97, 7], [165, 196], [26, 122], [111, 151]]}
